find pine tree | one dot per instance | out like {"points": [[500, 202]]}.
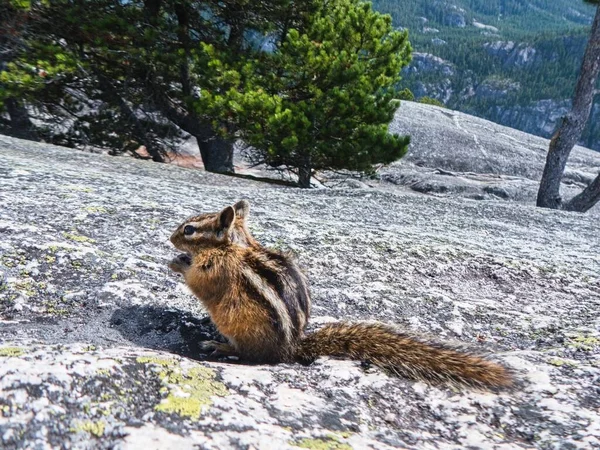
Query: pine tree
{"points": [[310, 84], [326, 98]]}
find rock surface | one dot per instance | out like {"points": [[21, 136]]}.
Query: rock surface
{"points": [[99, 341], [461, 155]]}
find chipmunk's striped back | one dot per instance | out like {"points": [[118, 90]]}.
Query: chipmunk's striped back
{"points": [[257, 297], [276, 281]]}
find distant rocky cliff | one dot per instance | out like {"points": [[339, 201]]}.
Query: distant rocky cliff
{"points": [[504, 99]]}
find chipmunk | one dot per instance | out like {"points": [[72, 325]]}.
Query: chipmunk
{"points": [[259, 300]]}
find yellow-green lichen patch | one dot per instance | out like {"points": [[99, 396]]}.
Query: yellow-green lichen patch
{"points": [[329, 443], [78, 238], [165, 362], [585, 343], [25, 286], [562, 362], [80, 188], [96, 209], [89, 426], [193, 394], [188, 392], [11, 351]]}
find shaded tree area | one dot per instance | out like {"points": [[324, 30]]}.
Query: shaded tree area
{"points": [[18, 122], [122, 74]]}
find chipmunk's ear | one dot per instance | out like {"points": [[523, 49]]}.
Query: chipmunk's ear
{"points": [[226, 218], [242, 209]]}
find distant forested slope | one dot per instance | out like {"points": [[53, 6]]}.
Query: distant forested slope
{"points": [[511, 61]]}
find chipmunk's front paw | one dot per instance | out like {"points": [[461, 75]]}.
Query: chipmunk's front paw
{"points": [[216, 349], [180, 263]]}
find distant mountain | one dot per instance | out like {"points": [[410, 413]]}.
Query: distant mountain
{"points": [[511, 61]]}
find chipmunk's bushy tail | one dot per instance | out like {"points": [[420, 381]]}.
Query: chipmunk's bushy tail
{"points": [[403, 354]]}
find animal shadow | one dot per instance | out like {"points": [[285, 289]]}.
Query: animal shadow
{"points": [[165, 329]]}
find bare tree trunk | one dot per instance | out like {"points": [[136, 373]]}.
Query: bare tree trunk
{"points": [[217, 154], [304, 172], [572, 125], [587, 198], [20, 124]]}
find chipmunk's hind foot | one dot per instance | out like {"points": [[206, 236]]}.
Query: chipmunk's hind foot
{"points": [[218, 349]]}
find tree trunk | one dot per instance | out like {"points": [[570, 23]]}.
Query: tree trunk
{"points": [[304, 174], [572, 124], [217, 154], [20, 124], [587, 198]]}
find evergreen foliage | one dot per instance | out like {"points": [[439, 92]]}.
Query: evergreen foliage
{"points": [[326, 98], [431, 101]]}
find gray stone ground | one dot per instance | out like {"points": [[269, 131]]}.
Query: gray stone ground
{"points": [[460, 155], [99, 341]]}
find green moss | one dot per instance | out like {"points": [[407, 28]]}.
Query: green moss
{"points": [[330, 443], [188, 393], [78, 238], [11, 351], [88, 426]]}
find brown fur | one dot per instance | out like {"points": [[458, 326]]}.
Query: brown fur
{"points": [[403, 354], [259, 300]]}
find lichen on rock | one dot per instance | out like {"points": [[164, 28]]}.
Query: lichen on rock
{"points": [[189, 392]]}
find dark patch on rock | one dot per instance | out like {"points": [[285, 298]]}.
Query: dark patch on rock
{"points": [[165, 329]]}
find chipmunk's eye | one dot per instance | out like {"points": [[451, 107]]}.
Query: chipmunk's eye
{"points": [[189, 230]]}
